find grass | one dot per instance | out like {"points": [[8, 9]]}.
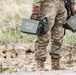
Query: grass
{"points": [[13, 12], [70, 38], [16, 36], [12, 70]]}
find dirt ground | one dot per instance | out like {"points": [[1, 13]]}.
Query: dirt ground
{"points": [[21, 56]]}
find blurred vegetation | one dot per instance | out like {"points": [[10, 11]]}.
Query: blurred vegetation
{"points": [[11, 14], [70, 38], [12, 70]]}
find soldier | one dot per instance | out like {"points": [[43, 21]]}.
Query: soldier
{"points": [[56, 14]]}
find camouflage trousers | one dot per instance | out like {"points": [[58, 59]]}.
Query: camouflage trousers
{"points": [[56, 14]]}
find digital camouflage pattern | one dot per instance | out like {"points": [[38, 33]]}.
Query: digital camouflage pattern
{"points": [[73, 2], [56, 14]]}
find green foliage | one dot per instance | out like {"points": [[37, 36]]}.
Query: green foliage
{"points": [[12, 70], [35, 1], [11, 35], [70, 38], [13, 12]]}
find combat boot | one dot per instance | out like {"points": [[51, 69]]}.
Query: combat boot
{"points": [[39, 65], [55, 65]]}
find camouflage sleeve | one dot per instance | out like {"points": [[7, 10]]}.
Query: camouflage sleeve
{"points": [[73, 2]]}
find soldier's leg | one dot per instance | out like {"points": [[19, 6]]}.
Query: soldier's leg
{"points": [[57, 36], [40, 50], [42, 41]]}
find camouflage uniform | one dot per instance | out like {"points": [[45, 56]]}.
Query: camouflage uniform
{"points": [[73, 2], [56, 12]]}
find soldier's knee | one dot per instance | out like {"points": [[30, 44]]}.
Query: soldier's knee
{"points": [[40, 56], [55, 55]]}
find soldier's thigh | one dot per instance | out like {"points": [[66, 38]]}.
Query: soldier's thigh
{"points": [[62, 13], [57, 30]]}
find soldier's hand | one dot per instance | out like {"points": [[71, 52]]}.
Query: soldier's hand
{"points": [[73, 9], [35, 16], [35, 13]]}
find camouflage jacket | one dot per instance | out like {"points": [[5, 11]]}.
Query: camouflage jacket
{"points": [[73, 1]]}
